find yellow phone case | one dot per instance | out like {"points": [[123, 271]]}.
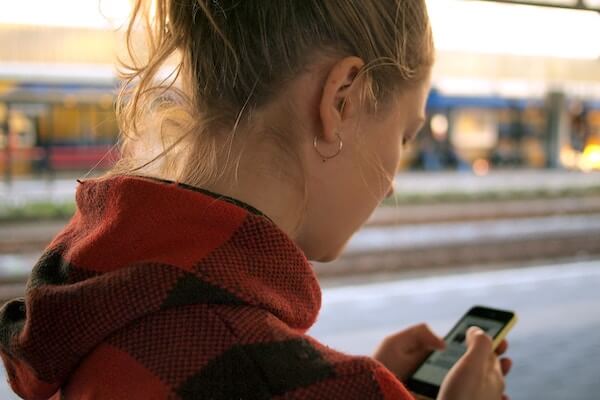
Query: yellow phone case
{"points": [[502, 334]]}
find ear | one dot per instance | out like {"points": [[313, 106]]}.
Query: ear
{"points": [[338, 89]]}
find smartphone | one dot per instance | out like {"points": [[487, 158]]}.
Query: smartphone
{"points": [[426, 380]]}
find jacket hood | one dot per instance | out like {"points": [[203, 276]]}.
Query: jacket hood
{"points": [[137, 246]]}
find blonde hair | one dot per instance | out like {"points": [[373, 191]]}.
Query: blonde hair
{"points": [[233, 56]]}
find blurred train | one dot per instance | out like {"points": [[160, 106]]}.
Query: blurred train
{"points": [[53, 121], [490, 131], [65, 121]]}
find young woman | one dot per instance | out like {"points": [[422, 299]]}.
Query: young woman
{"points": [[185, 272]]}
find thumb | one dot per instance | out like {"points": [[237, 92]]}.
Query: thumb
{"points": [[479, 344]]}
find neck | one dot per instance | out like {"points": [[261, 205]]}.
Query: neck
{"points": [[260, 181]]}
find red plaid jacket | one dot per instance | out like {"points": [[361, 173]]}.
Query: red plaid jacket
{"points": [[157, 290]]}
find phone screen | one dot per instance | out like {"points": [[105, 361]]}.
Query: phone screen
{"points": [[437, 365]]}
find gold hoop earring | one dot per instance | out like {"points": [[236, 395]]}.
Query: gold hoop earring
{"points": [[324, 157]]}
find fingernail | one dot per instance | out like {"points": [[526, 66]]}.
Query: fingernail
{"points": [[474, 330]]}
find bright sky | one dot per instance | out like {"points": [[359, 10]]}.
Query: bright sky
{"points": [[486, 27], [66, 13], [459, 25]]}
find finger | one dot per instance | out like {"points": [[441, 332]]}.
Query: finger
{"points": [[421, 337], [479, 344], [427, 338], [505, 365], [505, 397], [502, 347]]}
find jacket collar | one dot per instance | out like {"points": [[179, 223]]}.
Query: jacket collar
{"points": [[135, 247], [228, 242]]}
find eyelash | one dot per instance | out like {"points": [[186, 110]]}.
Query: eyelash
{"points": [[406, 140]]}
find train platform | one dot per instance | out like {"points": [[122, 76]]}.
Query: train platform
{"points": [[508, 181], [407, 184]]}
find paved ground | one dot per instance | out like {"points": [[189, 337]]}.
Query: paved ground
{"points": [[555, 345]]}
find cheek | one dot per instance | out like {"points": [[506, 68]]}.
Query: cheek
{"points": [[344, 202], [394, 158], [390, 152]]}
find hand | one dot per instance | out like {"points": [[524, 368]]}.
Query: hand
{"points": [[478, 374], [403, 352]]}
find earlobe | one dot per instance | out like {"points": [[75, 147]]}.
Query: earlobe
{"points": [[336, 103]]}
